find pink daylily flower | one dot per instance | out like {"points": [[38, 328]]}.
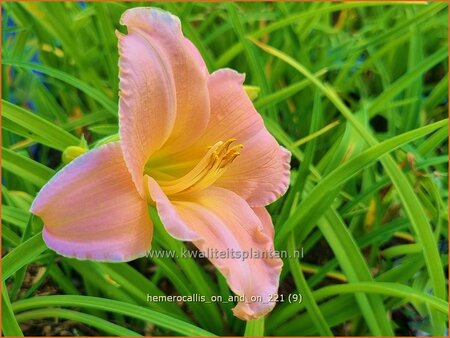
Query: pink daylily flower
{"points": [[192, 145]]}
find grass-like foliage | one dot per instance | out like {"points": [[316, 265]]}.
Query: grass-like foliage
{"points": [[357, 91]]}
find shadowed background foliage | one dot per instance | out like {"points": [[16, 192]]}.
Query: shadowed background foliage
{"points": [[358, 92]]}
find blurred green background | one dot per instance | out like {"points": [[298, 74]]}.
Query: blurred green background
{"points": [[357, 91]]}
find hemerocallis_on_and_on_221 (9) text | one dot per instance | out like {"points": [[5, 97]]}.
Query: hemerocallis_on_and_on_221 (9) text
{"points": [[192, 145]]}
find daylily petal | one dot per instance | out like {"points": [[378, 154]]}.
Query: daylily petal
{"points": [[266, 220], [242, 309], [219, 222], [172, 221], [91, 209], [261, 173], [197, 56], [147, 105], [163, 31]]}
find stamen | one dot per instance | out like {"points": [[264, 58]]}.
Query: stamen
{"points": [[207, 171]]}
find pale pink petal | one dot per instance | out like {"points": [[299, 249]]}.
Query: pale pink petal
{"points": [[225, 228], [147, 105], [241, 310], [197, 56], [261, 173], [92, 210], [163, 31], [172, 221], [266, 220]]}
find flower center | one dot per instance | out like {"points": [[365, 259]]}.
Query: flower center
{"points": [[207, 171]]}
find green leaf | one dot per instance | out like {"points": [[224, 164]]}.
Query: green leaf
{"points": [[346, 171], [26, 168], [37, 128], [353, 264], [10, 327], [97, 95], [104, 129], [130, 310], [22, 255], [234, 50], [10, 236], [139, 286], [388, 289], [406, 81], [410, 202], [15, 216], [78, 317], [302, 286]]}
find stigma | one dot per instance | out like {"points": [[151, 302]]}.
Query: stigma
{"points": [[207, 171]]}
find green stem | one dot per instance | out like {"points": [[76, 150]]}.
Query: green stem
{"points": [[254, 328]]}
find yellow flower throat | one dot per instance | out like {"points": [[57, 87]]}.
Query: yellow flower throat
{"points": [[207, 171]]}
